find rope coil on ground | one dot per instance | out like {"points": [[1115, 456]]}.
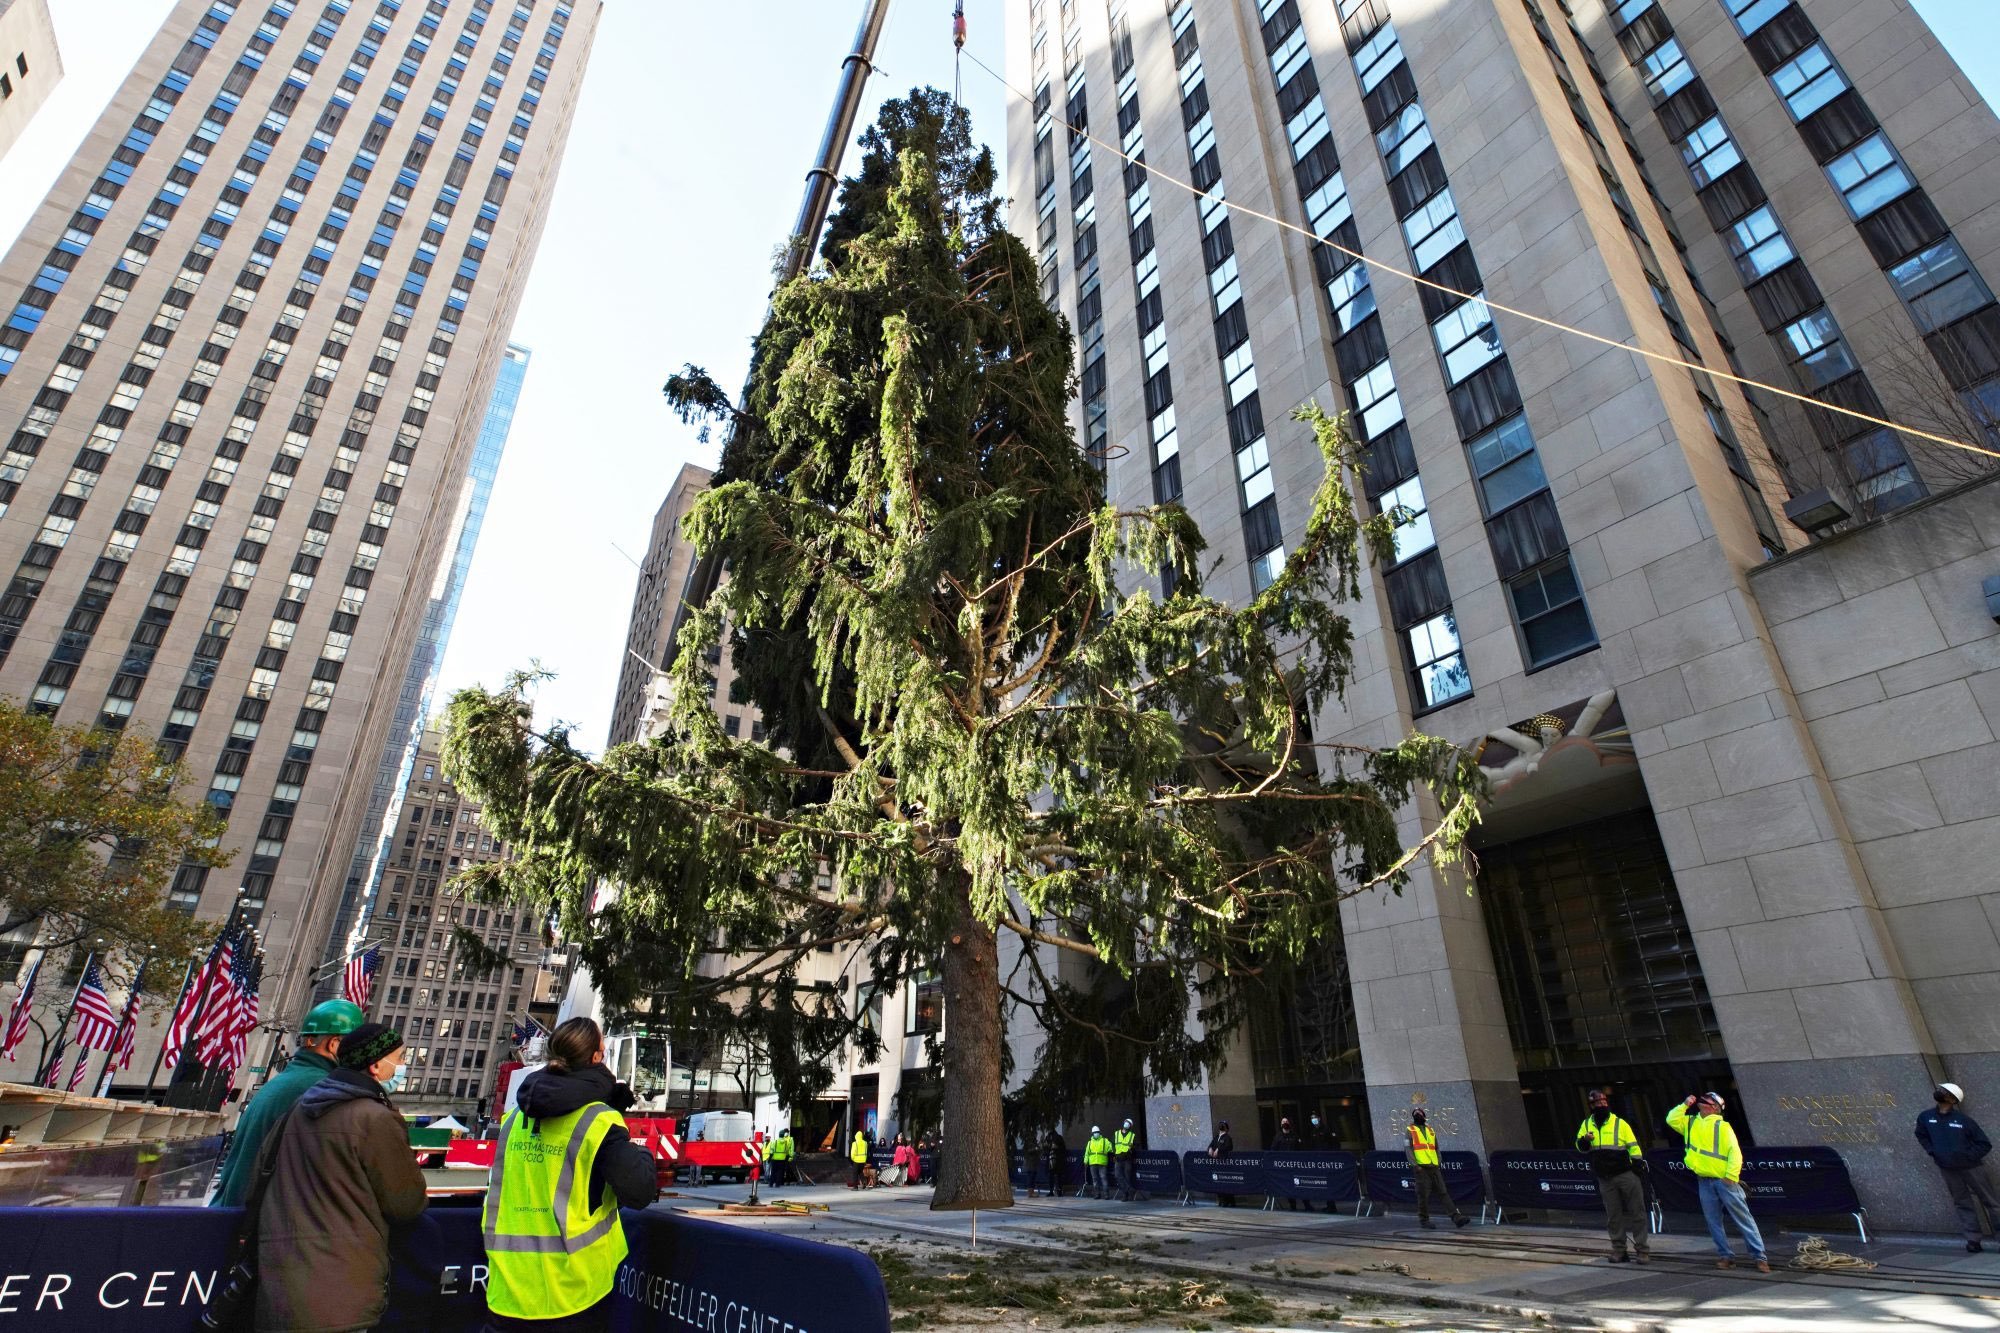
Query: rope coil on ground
{"points": [[1816, 1255]]}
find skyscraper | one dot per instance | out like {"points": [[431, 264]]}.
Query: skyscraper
{"points": [[30, 65], [419, 692], [1689, 861], [258, 322]]}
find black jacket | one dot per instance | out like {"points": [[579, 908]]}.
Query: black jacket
{"points": [[1223, 1144], [1283, 1142], [1954, 1140], [622, 1166]]}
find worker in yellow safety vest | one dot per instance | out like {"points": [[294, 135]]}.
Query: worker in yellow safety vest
{"points": [[1716, 1159], [563, 1164], [857, 1159], [1124, 1150], [1620, 1168], [778, 1154], [1097, 1163], [1427, 1168]]}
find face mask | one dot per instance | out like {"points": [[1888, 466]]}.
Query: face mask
{"points": [[1600, 1114], [394, 1083], [1418, 1118]]}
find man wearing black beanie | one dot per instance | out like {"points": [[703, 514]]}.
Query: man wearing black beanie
{"points": [[341, 1175]]}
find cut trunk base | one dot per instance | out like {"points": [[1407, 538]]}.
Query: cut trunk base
{"points": [[972, 1169]]}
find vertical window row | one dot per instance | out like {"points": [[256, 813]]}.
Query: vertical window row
{"points": [[28, 311], [1529, 546], [1788, 302], [1083, 215], [1947, 299], [1753, 498], [1162, 435], [1419, 601], [1263, 534]]}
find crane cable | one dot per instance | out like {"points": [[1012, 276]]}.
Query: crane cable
{"points": [[958, 53], [1384, 267]]}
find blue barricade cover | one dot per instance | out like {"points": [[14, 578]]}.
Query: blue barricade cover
{"points": [[1553, 1179], [1028, 1170], [1238, 1173], [152, 1270], [1391, 1180], [1799, 1182], [1321, 1177], [1157, 1172]]}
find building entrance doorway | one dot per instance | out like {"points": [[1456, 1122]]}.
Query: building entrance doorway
{"points": [[1599, 977]]}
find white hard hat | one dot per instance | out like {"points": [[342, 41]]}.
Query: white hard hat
{"points": [[1957, 1094], [1095, 1130]]}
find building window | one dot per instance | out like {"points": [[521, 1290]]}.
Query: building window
{"points": [[1666, 70], [1709, 151], [1549, 604], [1808, 81], [1438, 668], [1939, 285], [1816, 349], [1504, 461], [1413, 534], [1758, 244], [1868, 175], [1750, 15]]}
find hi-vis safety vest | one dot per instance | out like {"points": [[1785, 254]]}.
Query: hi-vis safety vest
{"points": [[1613, 1133], [858, 1151], [1096, 1150], [1712, 1149], [1423, 1145], [551, 1250], [1123, 1142], [778, 1150]]}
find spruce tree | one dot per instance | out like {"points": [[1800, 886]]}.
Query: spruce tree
{"points": [[985, 720]]}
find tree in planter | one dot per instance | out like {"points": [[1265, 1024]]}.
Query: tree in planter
{"points": [[982, 723], [90, 837]]}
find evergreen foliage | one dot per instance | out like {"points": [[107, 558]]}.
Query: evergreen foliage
{"points": [[983, 721]]}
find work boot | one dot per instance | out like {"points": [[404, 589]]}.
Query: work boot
{"points": [[1973, 1247], [1427, 1224], [1642, 1258], [1763, 1265], [1725, 1263], [1621, 1258], [1460, 1220]]}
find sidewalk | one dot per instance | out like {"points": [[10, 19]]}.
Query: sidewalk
{"points": [[1561, 1273]]}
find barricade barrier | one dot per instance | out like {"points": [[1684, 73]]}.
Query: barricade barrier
{"points": [[1238, 1173], [1157, 1172], [1391, 1179], [1312, 1177], [1029, 1171], [1553, 1179], [151, 1270], [1808, 1181]]}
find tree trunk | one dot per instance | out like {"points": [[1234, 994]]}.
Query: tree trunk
{"points": [[972, 1168]]}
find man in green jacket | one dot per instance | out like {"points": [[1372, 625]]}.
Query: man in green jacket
{"points": [[319, 1042]]}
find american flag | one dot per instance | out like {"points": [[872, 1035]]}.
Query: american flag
{"points": [[76, 1070], [128, 1032], [229, 997], [96, 1024], [53, 1077], [360, 976], [246, 1015], [218, 1000], [17, 1017], [184, 1009]]}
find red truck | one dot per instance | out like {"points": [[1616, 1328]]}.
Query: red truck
{"points": [[730, 1159]]}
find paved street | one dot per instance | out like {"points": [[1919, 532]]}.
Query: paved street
{"points": [[1479, 1278]]}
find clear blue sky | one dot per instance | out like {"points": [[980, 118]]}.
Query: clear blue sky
{"points": [[684, 171]]}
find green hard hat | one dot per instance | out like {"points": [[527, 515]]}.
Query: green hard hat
{"points": [[334, 1018]]}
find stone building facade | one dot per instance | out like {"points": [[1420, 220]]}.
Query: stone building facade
{"points": [[30, 65], [1671, 890], [254, 330]]}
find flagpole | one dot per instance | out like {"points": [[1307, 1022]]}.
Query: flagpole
{"points": [[187, 979], [132, 1017], [23, 1006], [41, 1070]]}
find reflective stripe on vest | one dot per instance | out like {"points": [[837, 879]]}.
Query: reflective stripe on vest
{"points": [[551, 1250], [1614, 1133], [1423, 1145], [1123, 1141], [1714, 1148]]}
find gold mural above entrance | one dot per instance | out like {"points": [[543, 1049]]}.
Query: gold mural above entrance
{"points": [[1589, 733]]}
